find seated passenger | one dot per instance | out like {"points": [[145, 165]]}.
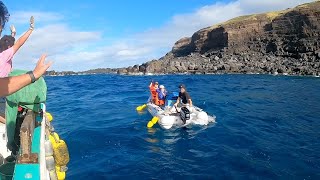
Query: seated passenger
{"points": [[162, 93], [184, 97]]}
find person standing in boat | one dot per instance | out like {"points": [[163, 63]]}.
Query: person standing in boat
{"points": [[8, 48], [4, 17], [162, 93], [184, 97], [154, 86]]}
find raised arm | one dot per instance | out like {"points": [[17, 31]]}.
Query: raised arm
{"points": [[150, 84], [11, 85], [24, 37], [13, 31]]}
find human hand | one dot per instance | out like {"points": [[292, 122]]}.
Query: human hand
{"points": [[31, 23], [41, 67], [13, 31]]}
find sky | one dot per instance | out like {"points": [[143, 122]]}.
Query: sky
{"points": [[82, 35]]}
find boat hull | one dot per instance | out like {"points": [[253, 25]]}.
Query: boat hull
{"points": [[169, 116]]}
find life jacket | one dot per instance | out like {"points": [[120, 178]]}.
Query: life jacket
{"points": [[154, 95], [161, 100], [156, 100]]}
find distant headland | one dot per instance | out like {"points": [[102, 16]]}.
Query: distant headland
{"points": [[283, 42]]}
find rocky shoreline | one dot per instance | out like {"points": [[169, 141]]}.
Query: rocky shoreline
{"points": [[285, 42], [247, 63], [92, 71]]}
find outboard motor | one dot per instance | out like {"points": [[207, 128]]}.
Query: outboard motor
{"points": [[184, 114]]}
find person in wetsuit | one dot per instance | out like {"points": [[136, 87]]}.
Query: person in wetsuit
{"points": [[184, 97]]}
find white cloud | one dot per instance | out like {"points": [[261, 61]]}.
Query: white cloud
{"points": [[252, 6], [23, 17], [78, 50], [58, 41]]}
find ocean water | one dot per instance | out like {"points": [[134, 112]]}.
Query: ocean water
{"points": [[267, 127]]}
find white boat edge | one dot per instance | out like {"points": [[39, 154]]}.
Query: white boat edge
{"points": [[167, 121]]}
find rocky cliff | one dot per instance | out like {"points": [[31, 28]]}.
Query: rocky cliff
{"points": [[285, 42]]}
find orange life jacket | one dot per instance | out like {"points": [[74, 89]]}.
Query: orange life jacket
{"points": [[154, 95], [156, 100], [161, 102]]}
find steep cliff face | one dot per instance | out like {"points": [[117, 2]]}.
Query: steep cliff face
{"points": [[277, 42]]}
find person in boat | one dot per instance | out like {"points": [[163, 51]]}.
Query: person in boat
{"points": [[184, 97], [162, 93], [8, 48], [154, 86], [7, 38], [9, 85], [7, 41], [4, 17]]}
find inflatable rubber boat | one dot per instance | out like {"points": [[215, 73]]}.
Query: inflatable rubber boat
{"points": [[170, 116]]}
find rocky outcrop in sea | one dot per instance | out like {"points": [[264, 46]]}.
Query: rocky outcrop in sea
{"points": [[283, 42]]}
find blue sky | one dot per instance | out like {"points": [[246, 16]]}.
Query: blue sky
{"points": [[119, 15], [95, 34]]}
